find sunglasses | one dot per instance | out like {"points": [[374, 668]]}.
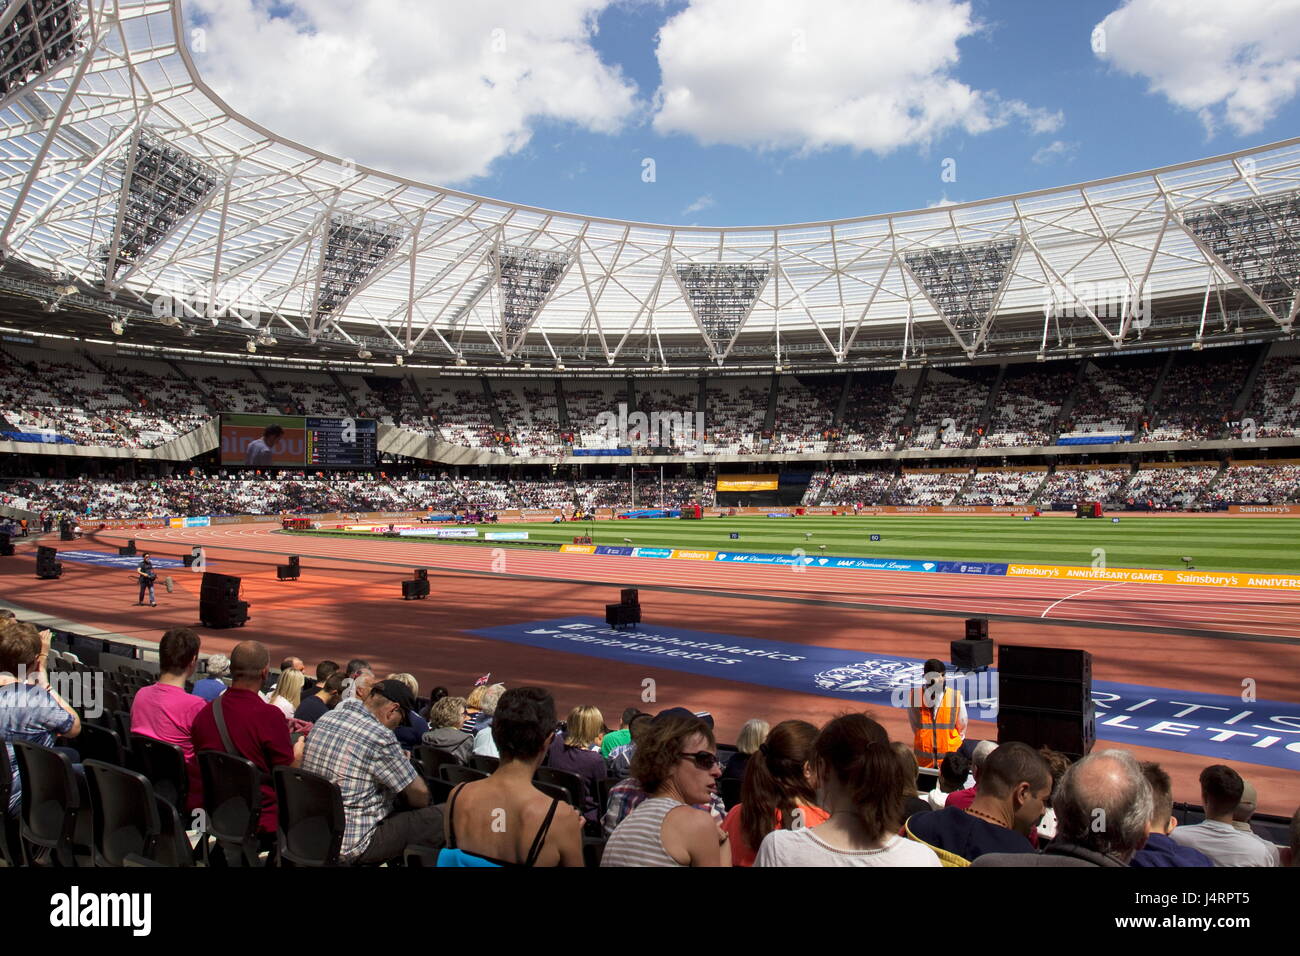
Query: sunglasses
{"points": [[704, 759]]}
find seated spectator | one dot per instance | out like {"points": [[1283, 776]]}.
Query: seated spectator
{"points": [[1058, 763], [252, 727], [777, 792], [445, 717], [435, 695], [484, 743], [29, 710], [751, 737], [214, 684], [356, 669], [1245, 807], [952, 777], [288, 693], [474, 705], [1216, 837], [620, 758], [620, 737], [164, 711], [860, 789], [410, 733], [326, 698], [964, 797], [504, 820], [1107, 786], [1160, 850], [356, 748], [1015, 783], [678, 768], [323, 671], [912, 800], [578, 751]]}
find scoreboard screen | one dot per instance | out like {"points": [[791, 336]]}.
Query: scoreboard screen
{"points": [[342, 442], [260, 441]]}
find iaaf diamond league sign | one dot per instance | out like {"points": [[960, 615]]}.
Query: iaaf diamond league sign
{"points": [[1221, 727]]}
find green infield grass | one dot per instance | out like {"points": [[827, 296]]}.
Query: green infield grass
{"points": [[1213, 544]]}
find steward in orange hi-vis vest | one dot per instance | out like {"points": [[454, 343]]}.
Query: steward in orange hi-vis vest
{"points": [[938, 717]]}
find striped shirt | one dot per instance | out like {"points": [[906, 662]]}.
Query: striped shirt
{"points": [[639, 841]]}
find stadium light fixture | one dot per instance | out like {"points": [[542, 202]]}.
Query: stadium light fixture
{"points": [[460, 360], [398, 360], [251, 346], [364, 353], [118, 326]]}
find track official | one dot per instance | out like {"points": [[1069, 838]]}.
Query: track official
{"points": [[937, 714]]}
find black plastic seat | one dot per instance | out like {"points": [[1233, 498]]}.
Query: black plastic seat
{"points": [[164, 764], [98, 742], [729, 790], [567, 779], [552, 790], [311, 821], [232, 800], [11, 844], [455, 774], [432, 758], [485, 763], [173, 846], [417, 855], [51, 803], [125, 811]]}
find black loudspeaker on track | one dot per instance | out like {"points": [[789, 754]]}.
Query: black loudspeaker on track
{"points": [[219, 603], [1045, 698]]}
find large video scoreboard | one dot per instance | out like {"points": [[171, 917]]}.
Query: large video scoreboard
{"points": [[281, 441]]}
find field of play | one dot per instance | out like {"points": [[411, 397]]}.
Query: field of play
{"points": [[1245, 544]]}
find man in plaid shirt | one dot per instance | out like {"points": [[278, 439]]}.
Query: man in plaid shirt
{"points": [[354, 746]]}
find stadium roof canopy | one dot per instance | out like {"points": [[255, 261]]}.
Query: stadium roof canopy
{"points": [[125, 179]]}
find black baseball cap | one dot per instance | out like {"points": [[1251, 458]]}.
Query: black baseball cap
{"points": [[398, 693]]}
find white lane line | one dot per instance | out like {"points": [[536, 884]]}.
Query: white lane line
{"points": [[1081, 593]]}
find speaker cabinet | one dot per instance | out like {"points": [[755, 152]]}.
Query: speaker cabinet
{"points": [[421, 574], [971, 655], [47, 566], [219, 604], [1045, 698], [977, 629], [630, 596], [619, 616], [415, 589], [288, 572], [293, 560], [6, 546]]}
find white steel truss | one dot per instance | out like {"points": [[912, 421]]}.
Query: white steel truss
{"points": [[443, 282]]}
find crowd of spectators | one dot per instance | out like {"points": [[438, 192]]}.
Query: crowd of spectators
{"points": [[1111, 397], [847, 488], [1275, 407], [948, 412], [1028, 405], [659, 790], [1197, 398], [1002, 487], [1257, 484], [1083, 484], [1168, 489], [926, 488]]}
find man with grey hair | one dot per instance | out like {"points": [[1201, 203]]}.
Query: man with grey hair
{"points": [[1103, 815], [483, 742]]}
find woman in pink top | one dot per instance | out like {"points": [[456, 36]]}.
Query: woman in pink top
{"points": [[165, 711]]}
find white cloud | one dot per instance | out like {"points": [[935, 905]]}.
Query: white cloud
{"points": [[824, 73], [1056, 149], [435, 92], [704, 202], [1231, 62]]}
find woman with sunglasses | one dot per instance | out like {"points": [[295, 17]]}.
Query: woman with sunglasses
{"points": [[677, 766]]}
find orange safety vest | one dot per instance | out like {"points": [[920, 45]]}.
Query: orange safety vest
{"points": [[937, 736]]}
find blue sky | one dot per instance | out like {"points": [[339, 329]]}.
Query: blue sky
{"points": [[1011, 93]]}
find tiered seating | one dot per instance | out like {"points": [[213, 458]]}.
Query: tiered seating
{"points": [[1276, 400], [1028, 404], [872, 414], [585, 403], [1257, 484], [949, 409], [1111, 396], [737, 408], [847, 488], [1082, 484], [460, 411], [234, 389], [1002, 487], [927, 488], [531, 416], [1197, 398], [1169, 488], [803, 418], [306, 393], [673, 397]]}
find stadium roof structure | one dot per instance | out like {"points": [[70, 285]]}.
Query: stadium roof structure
{"points": [[129, 189]]}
